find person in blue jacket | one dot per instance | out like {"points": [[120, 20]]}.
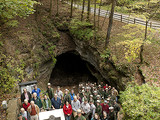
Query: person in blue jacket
{"points": [[36, 90], [56, 102], [72, 95]]}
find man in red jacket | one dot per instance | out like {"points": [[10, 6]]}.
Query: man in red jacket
{"points": [[26, 104], [67, 109], [105, 107]]}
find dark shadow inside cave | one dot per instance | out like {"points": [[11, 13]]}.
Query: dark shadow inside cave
{"points": [[70, 70]]}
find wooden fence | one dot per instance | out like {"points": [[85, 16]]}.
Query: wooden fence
{"points": [[123, 18]]}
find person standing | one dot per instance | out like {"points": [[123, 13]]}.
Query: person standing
{"points": [[66, 97], [104, 117], [92, 109], [46, 103], [105, 107], [116, 108], [36, 90], [50, 91], [72, 95], [24, 113], [25, 95], [33, 110], [67, 109], [37, 100], [79, 115], [96, 117], [99, 108], [85, 109], [75, 106], [59, 93], [111, 115], [56, 102], [25, 105]]}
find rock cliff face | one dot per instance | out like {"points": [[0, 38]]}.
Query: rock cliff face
{"points": [[35, 43]]}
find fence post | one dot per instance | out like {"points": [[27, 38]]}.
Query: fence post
{"points": [[150, 24], [121, 17], [134, 20]]}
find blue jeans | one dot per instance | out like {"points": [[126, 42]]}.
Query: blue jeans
{"points": [[67, 117]]}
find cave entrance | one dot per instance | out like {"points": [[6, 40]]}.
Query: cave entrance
{"points": [[70, 70]]}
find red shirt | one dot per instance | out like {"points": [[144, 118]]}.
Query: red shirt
{"points": [[105, 108], [33, 111], [67, 110], [25, 106]]}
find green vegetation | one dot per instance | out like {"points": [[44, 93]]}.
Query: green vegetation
{"points": [[131, 38], [81, 30], [12, 8], [10, 73], [135, 8], [141, 102]]}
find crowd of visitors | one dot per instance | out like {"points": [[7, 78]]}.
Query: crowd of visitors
{"points": [[92, 102]]}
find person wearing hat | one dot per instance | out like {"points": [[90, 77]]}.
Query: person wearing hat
{"points": [[79, 115], [82, 94], [108, 102], [85, 108], [87, 93], [91, 98], [50, 91], [36, 90], [66, 97], [105, 107], [92, 109], [99, 108], [95, 97], [98, 97], [20, 117], [75, 106], [106, 94], [111, 115]]}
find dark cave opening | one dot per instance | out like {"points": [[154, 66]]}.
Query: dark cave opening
{"points": [[70, 70]]}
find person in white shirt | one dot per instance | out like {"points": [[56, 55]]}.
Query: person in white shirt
{"points": [[24, 113], [59, 93], [85, 109], [75, 106], [92, 109]]}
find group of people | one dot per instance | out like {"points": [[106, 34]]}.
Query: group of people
{"points": [[92, 102]]}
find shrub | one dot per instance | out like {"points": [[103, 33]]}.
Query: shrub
{"points": [[141, 102]]}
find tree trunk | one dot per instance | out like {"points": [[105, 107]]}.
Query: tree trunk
{"points": [[50, 14], [88, 10], [110, 23], [71, 8], [95, 13], [57, 8], [142, 46], [82, 10], [99, 12]]}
